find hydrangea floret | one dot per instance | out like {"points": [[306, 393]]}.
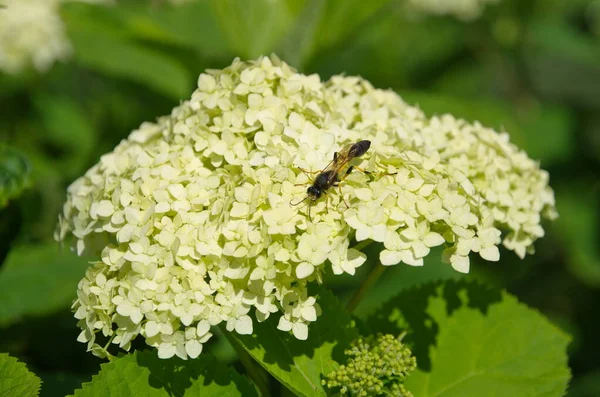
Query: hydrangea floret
{"points": [[191, 215], [377, 365]]}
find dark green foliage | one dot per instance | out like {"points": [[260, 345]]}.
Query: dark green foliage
{"points": [[14, 174], [144, 374]]}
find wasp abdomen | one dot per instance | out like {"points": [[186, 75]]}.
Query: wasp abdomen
{"points": [[359, 148]]}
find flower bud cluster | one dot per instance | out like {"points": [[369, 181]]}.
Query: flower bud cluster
{"points": [[377, 366]]}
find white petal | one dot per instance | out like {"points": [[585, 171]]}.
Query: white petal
{"points": [[304, 270], [409, 259], [180, 352], [193, 348], [337, 269], [378, 233], [356, 257], [125, 308], [433, 239], [460, 263], [300, 331], [363, 233], [239, 210], [392, 241], [205, 337], [243, 325], [309, 313], [166, 350], [420, 249], [490, 253], [104, 208], [347, 267], [284, 324], [364, 194], [389, 258], [136, 315], [410, 234], [162, 207], [83, 337], [202, 328], [152, 328]]}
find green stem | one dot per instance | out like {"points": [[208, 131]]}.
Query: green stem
{"points": [[369, 282], [362, 244], [255, 372]]}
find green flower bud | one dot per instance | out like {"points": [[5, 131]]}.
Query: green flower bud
{"points": [[377, 365]]}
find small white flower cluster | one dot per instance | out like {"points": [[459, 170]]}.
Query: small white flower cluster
{"points": [[192, 217], [32, 34], [464, 10]]}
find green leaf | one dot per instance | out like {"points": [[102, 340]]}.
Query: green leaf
{"points": [[116, 55], [562, 62], [14, 174], [38, 280], [298, 45], [323, 25], [15, 379], [400, 277], [299, 364], [543, 132], [391, 50], [144, 374], [192, 24], [253, 28], [473, 341], [577, 227], [341, 18], [68, 131]]}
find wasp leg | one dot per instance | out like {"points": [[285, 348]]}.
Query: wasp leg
{"points": [[342, 196], [371, 172], [337, 184], [307, 171], [362, 170], [326, 201]]}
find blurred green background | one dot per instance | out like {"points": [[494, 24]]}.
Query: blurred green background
{"points": [[531, 68]]}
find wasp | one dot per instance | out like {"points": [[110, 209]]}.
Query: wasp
{"points": [[335, 171]]}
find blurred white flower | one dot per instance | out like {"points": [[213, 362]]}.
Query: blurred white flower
{"points": [[32, 34], [192, 220], [465, 10]]}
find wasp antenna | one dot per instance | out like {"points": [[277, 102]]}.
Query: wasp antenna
{"points": [[299, 202]]}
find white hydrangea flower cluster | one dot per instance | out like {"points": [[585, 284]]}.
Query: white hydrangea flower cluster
{"points": [[32, 34], [464, 10], [192, 217]]}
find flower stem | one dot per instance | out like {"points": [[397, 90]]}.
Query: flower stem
{"points": [[255, 372], [369, 282]]}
